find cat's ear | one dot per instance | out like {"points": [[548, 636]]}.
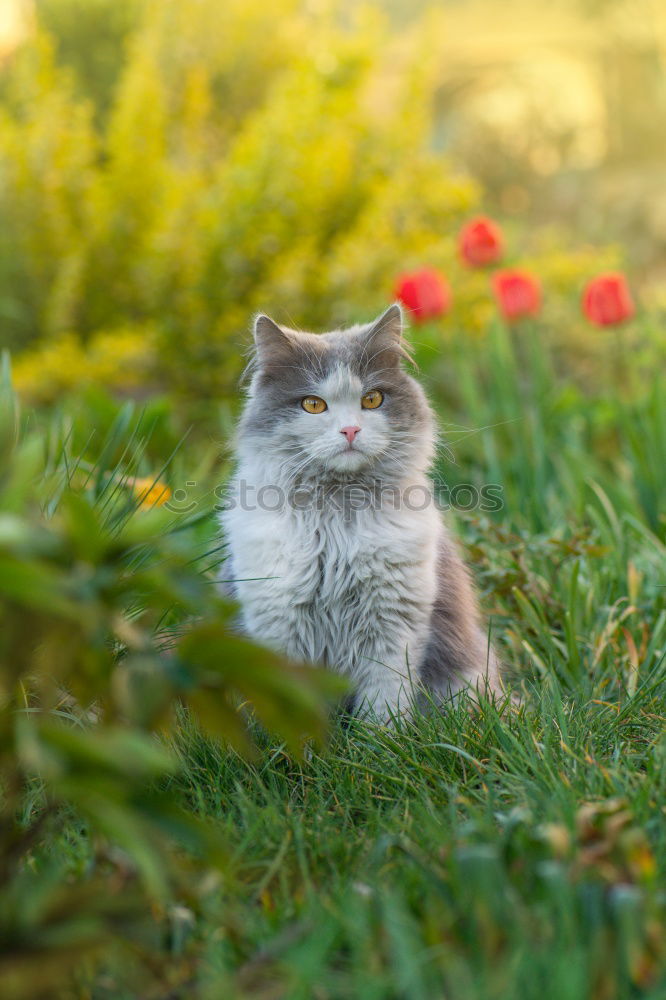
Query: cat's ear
{"points": [[273, 344], [384, 339], [388, 326]]}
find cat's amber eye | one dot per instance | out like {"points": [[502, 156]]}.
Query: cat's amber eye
{"points": [[372, 399], [313, 404]]}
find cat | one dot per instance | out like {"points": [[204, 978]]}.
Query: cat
{"points": [[337, 552]]}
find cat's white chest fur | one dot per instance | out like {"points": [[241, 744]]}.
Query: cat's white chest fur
{"points": [[348, 588]]}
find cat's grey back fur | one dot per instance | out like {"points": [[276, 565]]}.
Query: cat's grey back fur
{"points": [[373, 586]]}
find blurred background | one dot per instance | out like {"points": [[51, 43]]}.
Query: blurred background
{"points": [[167, 168]]}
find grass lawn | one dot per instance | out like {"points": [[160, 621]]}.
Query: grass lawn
{"points": [[456, 857]]}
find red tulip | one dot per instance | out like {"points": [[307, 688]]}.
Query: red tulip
{"points": [[518, 294], [607, 300], [480, 242], [425, 293]]}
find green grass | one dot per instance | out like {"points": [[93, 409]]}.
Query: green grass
{"points": [[443, 859], [512, 851]]}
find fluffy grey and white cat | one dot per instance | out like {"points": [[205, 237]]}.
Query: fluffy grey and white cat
{"points": [[337, 552]]}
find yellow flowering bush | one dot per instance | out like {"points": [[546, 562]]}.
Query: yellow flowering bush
{"points": [[120, 359], [245, 158]]}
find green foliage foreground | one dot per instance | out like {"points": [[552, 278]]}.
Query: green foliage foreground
{"points": [[516, 849], [107, 623]]}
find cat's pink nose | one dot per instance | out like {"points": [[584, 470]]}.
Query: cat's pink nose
{"points": [[350, 432]]}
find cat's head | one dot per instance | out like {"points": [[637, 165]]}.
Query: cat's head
{"points": [[338, 404]]}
